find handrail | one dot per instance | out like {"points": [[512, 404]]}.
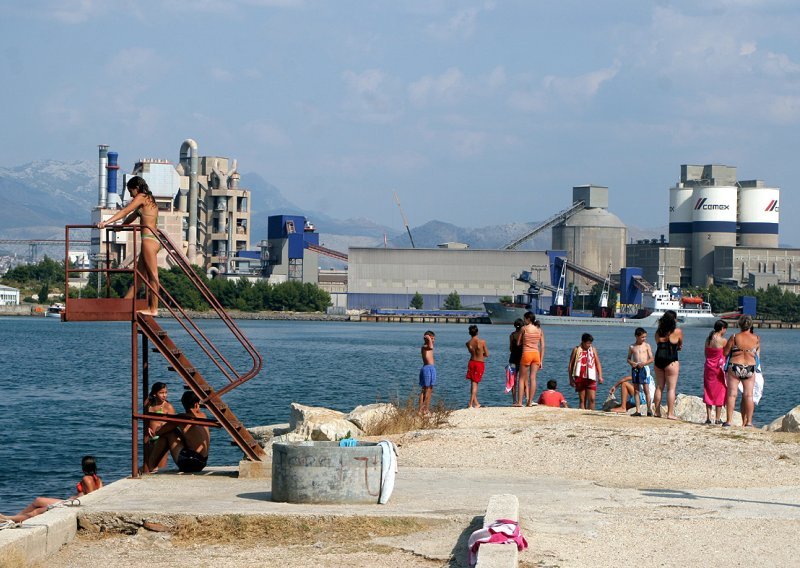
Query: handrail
{"points": [[206, 345]]}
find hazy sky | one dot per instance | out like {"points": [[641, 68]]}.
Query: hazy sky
{"points": [[475, 113]]}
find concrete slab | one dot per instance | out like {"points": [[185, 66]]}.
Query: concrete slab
{"points": [[556, 508], [505, 507]]}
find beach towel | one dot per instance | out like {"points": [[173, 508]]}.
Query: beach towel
{"points": [[758, 387], [502, 531], [511, 376], [388, 469]]}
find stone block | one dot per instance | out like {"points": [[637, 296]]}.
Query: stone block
{"points": [[503, 506], [791, 422], [368, 416], [321, 424], [27, 543]]}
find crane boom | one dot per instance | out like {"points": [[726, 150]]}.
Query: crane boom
{"points": [[405, 221]]}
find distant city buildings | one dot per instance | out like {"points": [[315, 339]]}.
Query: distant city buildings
{"points": [[9, 296]]}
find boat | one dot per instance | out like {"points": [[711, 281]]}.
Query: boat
{"points": [[55, 310], [692, 311]]}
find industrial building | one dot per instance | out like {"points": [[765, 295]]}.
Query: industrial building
{"points": [[201, 208], [9, 296], [709, 208], [592, 236], [389, 278]]}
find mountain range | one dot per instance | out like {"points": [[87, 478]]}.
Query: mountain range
{"points": [[39, 198]]}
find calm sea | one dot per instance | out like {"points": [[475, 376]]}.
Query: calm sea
{"points": [[65, 387]]}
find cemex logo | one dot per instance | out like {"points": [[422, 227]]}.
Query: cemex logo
{"points": [[701, 204], [773, 206]]}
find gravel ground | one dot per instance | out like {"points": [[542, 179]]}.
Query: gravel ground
{"points": [[595, 490]]}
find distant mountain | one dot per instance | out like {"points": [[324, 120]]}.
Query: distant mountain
{"points": [[40, 197], [434, 233]]}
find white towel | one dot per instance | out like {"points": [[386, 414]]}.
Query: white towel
{"points": [[388, 469]]}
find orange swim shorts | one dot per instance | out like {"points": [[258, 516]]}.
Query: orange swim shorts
{"points": [[530, 358]]}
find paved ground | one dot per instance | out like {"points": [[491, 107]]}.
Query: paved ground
{"points": [[586, 513]]}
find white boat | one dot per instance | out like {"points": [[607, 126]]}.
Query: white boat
{"points": [[55, 310]]}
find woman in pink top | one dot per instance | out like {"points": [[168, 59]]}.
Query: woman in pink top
{"points": [[532, 341]]}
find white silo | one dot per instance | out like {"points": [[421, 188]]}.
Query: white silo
{"points": [[758, 214], [680, 216], [713, 225]]}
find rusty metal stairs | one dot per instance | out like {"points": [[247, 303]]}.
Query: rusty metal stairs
{"points": [[197, 383], [109, 308]]}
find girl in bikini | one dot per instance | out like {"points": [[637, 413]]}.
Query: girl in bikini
{"points": [[142, 205], [156, 403], [669, 340], [744, 349], [89, 482]]}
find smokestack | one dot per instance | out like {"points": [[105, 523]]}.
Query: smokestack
{"points": [[101, 178], [187, 145], [112, 167]]}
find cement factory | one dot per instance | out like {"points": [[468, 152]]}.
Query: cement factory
{"points": [[721, 231]]}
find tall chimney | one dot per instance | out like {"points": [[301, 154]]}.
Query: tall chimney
{"points": [[101, 178], [112, 167]]}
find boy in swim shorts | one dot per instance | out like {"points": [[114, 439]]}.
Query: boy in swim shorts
{"points": [[585, 371], [639, 357], [427, 375], [477, 362]]}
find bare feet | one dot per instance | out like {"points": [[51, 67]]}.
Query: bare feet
{"points": [[148, 312], [672, 417], [516, 404]]}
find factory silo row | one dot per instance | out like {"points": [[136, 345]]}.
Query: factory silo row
{"points": [[703, 215]]}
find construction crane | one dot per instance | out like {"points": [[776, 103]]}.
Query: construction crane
{"points": [[405, 221]]}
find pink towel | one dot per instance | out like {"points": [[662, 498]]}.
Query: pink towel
{"points": [[511, 377], [502, 531]]}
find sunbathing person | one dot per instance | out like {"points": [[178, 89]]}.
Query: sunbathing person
{"points": [[89, 482]]}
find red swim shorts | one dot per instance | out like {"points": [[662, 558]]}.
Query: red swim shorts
{"points": [[584, 384], [475, 371]]}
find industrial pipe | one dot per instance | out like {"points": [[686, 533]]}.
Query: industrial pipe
{"points": [[101, 178], [192, 163]]}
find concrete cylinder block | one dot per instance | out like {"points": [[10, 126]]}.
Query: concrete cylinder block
{"points": [[324, 472]]}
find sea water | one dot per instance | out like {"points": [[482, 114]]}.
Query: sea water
{"points": [[65, 388]]}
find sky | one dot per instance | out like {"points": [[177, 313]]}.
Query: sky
{"points": [[473, 112]]}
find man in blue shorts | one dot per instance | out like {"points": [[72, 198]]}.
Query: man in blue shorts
{"points": [[427, 375]]}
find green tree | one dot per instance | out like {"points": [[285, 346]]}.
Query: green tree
{"points": [[453, 301], [44, 291], [417, 301]]}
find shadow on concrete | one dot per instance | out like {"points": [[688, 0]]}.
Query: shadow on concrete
{"points": [[458, 555], [677, 494], [257, 496], [206, 473]]}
